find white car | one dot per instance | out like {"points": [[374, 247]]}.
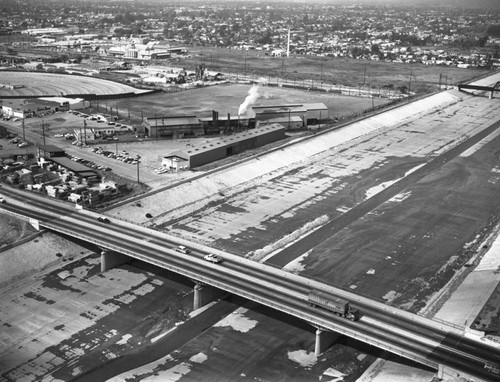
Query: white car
{"points": [[182, 249], [2, 200], [213, 258]]}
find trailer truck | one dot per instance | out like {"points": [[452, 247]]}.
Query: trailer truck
{"points": [[338, 306]]}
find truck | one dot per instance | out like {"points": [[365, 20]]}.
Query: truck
{"points": [[338, 306]]}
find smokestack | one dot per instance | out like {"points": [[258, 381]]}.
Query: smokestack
{"points": [[252, 96], [215, 119]]}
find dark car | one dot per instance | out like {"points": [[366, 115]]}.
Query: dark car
{"points": [[103, 219]]}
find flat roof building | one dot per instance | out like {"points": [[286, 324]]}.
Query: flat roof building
{"points": [[49, 151], [176, 126], [75, 167], [308, 113], [222, 124], [196, 156]]}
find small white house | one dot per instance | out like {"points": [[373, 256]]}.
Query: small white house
{"points": [[175, 161]]}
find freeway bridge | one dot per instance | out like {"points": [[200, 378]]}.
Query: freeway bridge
{"points": [[490, 89], [436, 344]]}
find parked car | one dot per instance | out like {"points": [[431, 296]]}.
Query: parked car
{"points": [[213, 258], [22, 144]]}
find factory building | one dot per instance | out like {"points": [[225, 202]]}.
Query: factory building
{"points": [[224, 147], [49, 151], [180, 126], [17, 108], [226, 124], [289, 115], [290, 122]]}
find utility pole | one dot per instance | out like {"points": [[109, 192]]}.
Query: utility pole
{"points": [[138, 159], [43, 131], [321, 84], [364, 76], [409, 86], [24, 138]]}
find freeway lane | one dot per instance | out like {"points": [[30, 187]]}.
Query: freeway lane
{"points": [[387, 328]]}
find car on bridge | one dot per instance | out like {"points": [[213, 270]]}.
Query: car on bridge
{"points": [[103, 219], [2, 200], [213, 258], [493, 369], [182, 249]]}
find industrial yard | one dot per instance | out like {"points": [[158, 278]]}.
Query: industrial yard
{"points": [[402, 206]]}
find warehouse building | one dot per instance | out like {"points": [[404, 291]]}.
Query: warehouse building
{"points": [[180, 126], [224, 147], [288, 115], [226, 124], [16, 108], [76, 168], [49, 151]]}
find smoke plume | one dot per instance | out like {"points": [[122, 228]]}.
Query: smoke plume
{"points": [[252, 96]]}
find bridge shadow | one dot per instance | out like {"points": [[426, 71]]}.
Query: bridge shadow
{"points": [[455, 359]]}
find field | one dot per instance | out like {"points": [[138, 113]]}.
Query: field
{"points": [[56, 85], [344, 71], [227, 98]]}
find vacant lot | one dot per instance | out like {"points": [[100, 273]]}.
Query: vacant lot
{"points": [[345, 71]]}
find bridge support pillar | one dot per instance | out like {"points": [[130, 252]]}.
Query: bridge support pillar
{"points": [[35, 224], [110, 259], [205, 294], [491, 95], [324, 339], [440, 372]]}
